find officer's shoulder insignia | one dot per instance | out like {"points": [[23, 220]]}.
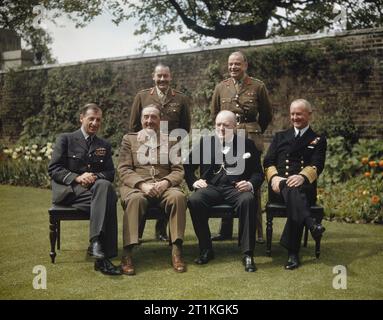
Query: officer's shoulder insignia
{"points": [[256, 80], [146, 90]]}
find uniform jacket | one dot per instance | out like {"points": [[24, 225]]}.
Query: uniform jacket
{"points": [[71, 158], [289, 156], [251, 104], [175, 109], [253, 169], [132, 171]]}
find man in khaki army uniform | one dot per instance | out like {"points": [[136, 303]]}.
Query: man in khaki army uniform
{"points": [[174, 107], [148, 177], [248, 99]]}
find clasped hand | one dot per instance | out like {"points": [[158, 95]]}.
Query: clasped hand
{"points": [[295, 180], [154, 190], [86, 179]]}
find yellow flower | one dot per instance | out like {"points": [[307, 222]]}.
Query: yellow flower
{"points": [[39, 158], [364, 160], [34, 146]]}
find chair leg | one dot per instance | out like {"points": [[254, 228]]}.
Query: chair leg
{"points": [[269, 234], [306, 237], [141, 227], [53, 237], [317, 247], [58, 234]]}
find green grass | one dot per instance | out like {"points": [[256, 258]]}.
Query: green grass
{"points": [[24, 243]]}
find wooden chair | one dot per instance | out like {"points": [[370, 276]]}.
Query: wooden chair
{"points": [[56, 215], [274, 210], [59, 213]]}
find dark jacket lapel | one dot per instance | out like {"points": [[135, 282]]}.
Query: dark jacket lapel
{"points": [[303, 141], [80, 140]]}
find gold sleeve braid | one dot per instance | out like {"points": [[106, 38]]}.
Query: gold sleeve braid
{"points": [[310, 172]]}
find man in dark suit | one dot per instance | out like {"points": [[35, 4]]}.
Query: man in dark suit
{"points": [[248, 98], [230, 172], [292, 165], [82, 173]]}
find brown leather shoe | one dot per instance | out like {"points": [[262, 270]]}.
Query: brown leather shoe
{"points": [[178, 264], [127, 266]]}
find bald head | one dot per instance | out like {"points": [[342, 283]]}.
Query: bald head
{"points": [[237, 65], [225, 124]]}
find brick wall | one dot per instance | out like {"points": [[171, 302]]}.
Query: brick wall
{"points": [[188, 69]]}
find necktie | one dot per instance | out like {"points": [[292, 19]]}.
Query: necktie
{"points": [[88, 141], [298, 134], [237, 86]]}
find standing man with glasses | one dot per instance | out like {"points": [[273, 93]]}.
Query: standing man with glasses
{"points": [[248, 99]]}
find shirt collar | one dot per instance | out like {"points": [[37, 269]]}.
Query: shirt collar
{"points": [[301, 130], [86, 135], [240, 81], [160, 93]]}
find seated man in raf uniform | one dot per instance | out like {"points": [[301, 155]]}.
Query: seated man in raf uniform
{"points": [[292, 165], [223, 180], [82, 173]]}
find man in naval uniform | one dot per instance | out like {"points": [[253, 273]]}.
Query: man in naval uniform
{"points": [[292, 165], [248, 99], [149, 176], [82, 173], [174, 108]]}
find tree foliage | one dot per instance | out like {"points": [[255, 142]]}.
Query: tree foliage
{"points": [[211, 21], [21, 17]]}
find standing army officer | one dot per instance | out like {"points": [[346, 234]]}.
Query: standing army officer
{"points": [[248, 99], [174, 108]]}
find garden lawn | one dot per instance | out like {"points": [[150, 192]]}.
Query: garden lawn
{"points": [[24, 243]]}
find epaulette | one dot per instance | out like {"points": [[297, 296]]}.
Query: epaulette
{"points": [[257, 80], [132, 133], [144, 90]]}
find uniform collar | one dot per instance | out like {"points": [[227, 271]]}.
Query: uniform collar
{"points": [[160, 93], [301, 130]]}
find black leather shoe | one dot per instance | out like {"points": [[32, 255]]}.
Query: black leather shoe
{"points": [[95, 250], [292, 262], [221, 237], [162, 237], [205, 256], [317, 231], [249, 263], [105, 266]]}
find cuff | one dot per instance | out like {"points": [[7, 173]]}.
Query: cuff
{"points": [[270, 172], [310, 172]]}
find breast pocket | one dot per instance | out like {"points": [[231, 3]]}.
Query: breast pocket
{"points": [[75, 162]]}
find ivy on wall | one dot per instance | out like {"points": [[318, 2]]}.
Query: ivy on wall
{"points": [[67, 90], [296, 70], [46, 102]]}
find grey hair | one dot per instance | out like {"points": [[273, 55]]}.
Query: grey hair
{"points": [[239, 53], [306, 104], [152, 106], [228, 113]]}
